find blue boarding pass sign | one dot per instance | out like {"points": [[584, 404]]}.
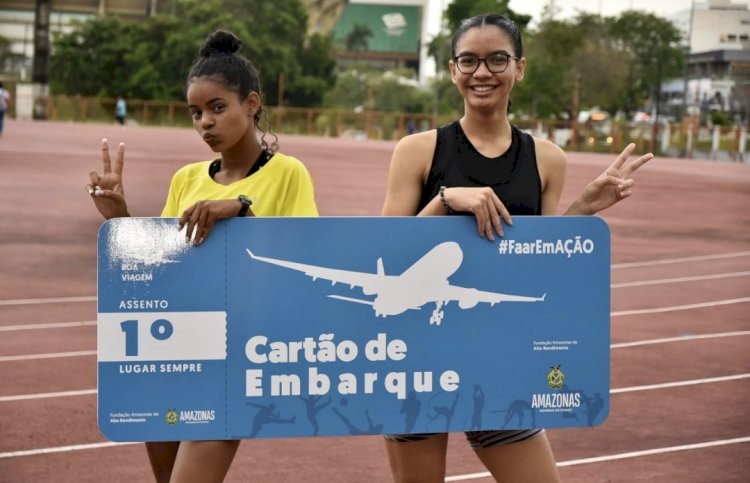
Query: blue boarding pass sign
{"points": [[294, 327]]}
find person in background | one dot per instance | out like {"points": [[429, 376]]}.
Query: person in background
{"points": [[4, 103], [121, 110], [411, 126]]}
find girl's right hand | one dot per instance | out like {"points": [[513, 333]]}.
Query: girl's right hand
{"points": [[200, 218], [106, 190], [484, 204]]}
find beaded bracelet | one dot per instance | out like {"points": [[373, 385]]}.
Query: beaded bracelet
{"points": [[445, 203]]}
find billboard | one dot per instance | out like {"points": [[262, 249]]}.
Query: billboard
{"points": [[379, 28]]}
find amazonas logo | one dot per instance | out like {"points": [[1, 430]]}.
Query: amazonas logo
{"points": [[556, 401], [171, 417], [201, 416], [556, 378]]}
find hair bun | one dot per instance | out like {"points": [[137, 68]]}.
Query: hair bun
{"points": [[220, 42]]}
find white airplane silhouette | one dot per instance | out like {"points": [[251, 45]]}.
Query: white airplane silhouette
{"points": [[424, 282]]}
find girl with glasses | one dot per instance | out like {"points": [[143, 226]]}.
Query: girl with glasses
{"points": [[482, 166], [224, 99]]}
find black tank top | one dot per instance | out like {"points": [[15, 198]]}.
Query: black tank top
{"points": [[513, 175]]}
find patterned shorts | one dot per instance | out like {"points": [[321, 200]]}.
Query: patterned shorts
{"points": [[477, 439]]}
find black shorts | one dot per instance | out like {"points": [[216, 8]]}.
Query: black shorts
{"points": [[477, 439]]}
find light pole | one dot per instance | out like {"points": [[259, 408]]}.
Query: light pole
{"points": [[40, 67], [686, 69]]}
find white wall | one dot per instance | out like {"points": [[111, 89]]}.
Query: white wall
{"points": [[24, 101], [712, 28]]}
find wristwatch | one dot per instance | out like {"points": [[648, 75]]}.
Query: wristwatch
{"points": [[246, 202]]}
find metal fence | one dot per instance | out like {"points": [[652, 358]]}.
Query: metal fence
{"points": [[686, 139]]}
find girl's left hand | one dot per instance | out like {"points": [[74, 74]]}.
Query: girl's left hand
{"points": [[200, 218], [611, 186]]}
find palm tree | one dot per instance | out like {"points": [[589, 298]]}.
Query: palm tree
{"points": [[356, 39]]}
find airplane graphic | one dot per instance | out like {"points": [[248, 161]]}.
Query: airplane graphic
{"points": [[425, 281]]}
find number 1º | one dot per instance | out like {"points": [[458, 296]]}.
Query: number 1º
{"points": [[161, 329]]}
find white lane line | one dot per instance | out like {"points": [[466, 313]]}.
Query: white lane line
{"points": [[46, 395], [681, 338], [679, 279], [79, 447], [666, 261], [92, 298], [675, 308], [49, 355], [54, 325], [620, 456], [648, 452], [693, 382], [470, 476], [620, 345], [60, 449], [710, 380], [51, 300], [62, 325]]}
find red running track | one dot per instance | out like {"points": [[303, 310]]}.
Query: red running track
{"points": [[680, 324]]}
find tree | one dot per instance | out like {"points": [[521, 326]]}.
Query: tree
{"points": [[652, 48], [350, 89], [317, 72], [547, 88], [357, 38], [149, 59], [447, 99], [611, 62], [439, 49], [461, 9], [396, 91], [5, 53], [364, 86], [149, 76], [598, 65]]}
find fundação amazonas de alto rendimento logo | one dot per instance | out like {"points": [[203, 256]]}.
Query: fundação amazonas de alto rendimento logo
{"points": [[171, 417], [556, 378], [556, 401], [195, 416]]}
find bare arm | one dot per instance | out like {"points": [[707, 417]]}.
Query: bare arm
{"points": [[610, 187], [106, 190], [552, 164], [410, 164]]}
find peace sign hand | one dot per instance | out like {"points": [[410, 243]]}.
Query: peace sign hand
{"points": [[106, 190], [613, 185]]}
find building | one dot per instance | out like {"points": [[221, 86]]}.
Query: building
{"points": [[17, 24], [323, 14], [389, 33], [401, 30], [719, 25], [718, 66]]}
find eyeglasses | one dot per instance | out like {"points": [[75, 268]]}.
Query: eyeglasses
{"points": [[496, 63]]}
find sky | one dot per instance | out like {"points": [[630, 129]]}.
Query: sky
{"points": [[606, 8]]}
